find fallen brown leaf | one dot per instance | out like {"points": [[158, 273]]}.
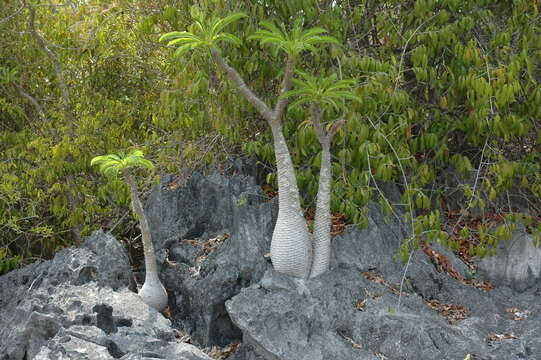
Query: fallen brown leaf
{"points": [[451, 312]]}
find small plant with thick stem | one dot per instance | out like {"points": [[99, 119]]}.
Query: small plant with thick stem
{"points": [[293, 250], [322, 93], [153, 293]]}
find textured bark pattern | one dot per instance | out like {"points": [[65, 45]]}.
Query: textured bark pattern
{"points": [[322, 221], [291, 248], [153, 293]]}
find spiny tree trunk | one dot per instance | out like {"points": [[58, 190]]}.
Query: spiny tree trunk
{"points": [[153, 293], [291, 247], [322, 220]]}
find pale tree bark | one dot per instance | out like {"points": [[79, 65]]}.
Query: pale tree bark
{"points": [[291, 248], [322, 219], [74, 201], [152, 292]]}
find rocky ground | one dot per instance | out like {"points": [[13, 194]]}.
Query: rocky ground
{"points": [[212, 237]]}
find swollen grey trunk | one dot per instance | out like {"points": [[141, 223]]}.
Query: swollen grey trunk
{"points": [[322, 220], [291, 248], [153, 293]]}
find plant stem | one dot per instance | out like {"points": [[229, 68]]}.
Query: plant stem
{"points": [[148, 249]]}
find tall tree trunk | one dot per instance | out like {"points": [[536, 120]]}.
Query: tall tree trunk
{"points": [[291, 245], [291, 248], [153, 293], [322, 220]]}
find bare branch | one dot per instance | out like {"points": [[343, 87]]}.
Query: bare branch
{"points": [[31, 99], [335, 127], [12, 15], [57, 68], [235, 77], [286, 86], [315, 112], [323, 135]]}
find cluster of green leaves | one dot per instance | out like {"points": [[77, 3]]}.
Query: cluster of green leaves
{"points": [[112, 165], [115, 74], [445, 87]]}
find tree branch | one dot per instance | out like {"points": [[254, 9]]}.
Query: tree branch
{"points": [[286, 86], [335, 127], [323, 135], [235, 77], [315, 112], [31, 99], [57, 68], [74, 202]]}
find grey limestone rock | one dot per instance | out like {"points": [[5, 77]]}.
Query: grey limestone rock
{"points": [[344, 315], [79, 306], [206, 208], [517, 263]]}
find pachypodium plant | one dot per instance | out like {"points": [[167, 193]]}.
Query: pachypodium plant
{"points": [[324, 95], [292, 250], [153, 293]]}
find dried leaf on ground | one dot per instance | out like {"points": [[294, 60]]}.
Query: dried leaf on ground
{"points": [[338, 224], [219, 353], [360, 304], [183, 336], [517, 314], [207, 246], [351, 341], [451, 312], [442, 264], [369, 275]]}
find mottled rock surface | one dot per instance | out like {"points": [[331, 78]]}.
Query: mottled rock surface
{"points": [[79, 306], [517, 263], [214, 232], [212, 236], [354, 311]]}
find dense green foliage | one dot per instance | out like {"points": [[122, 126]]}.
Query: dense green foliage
{"points": [[446, 87], [112, 165]]}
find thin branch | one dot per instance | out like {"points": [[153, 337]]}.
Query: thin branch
{"points": [[406, 185], [57, 68], [404, 51], [31, 99], [235, 77], [12, 15], [286, 86], [337, 124], [323, 135]]}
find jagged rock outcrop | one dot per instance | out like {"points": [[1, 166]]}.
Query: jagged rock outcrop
{"points": [[352, 312], [211, 237], [214, 232], [79, 306], [517, 263]]}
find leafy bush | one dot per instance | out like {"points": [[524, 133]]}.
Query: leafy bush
{"points": [[450, 112]]}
